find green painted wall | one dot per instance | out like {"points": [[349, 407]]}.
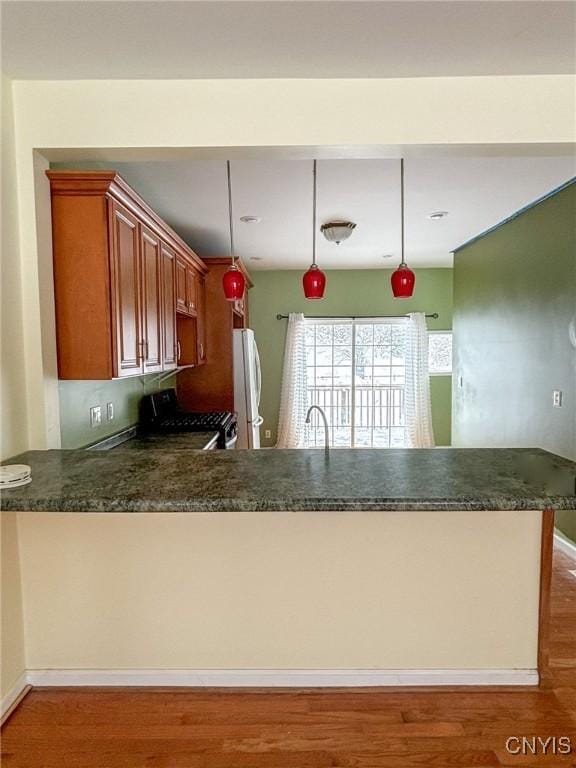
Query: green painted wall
{"points": [[348, 292], [514, 310], [77, 397]]}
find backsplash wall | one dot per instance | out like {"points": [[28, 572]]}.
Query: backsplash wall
{"points": [[77, 397]]}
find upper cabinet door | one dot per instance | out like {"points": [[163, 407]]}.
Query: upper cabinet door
{"points": [[151, 301], [125, 291], [192, 290], [181, 298], [169, 343]]}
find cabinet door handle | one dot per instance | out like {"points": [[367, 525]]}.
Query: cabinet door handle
{"points": [[202, 351], [179, 350]]}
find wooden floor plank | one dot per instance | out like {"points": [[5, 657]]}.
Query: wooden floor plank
{"points": [[308, 728]]}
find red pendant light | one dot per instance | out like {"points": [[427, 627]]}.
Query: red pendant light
{"points": [[314, 280], [233, 281], [403, 279]]}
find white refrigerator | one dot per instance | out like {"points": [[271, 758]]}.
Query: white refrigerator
{"points": [[247, 388]]}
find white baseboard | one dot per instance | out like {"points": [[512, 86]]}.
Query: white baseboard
{"points": [[564, 544], [17, 692], [274, 678]]}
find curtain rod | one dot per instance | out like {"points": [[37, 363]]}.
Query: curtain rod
{"points": [[433, 316]]}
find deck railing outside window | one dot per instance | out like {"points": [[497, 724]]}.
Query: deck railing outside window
{"points": [[364, 402]]}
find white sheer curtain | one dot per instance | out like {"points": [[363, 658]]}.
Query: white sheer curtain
{"points": [[293, 394], [419, 431]]}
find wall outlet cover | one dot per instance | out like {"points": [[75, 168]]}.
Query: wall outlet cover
{"points": [[557, 398], [110, 411], [95, 416], [268, 433]]}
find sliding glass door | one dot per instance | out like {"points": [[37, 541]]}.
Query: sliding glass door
{"points": [[356, 374]]}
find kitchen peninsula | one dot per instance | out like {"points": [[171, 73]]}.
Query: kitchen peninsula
{"points": [[357, 567]]}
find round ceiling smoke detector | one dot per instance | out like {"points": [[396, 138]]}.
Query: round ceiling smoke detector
{"points": [[250, 219], [336, 231], [437, 215]]}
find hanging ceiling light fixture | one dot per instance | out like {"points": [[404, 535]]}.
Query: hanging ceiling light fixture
{"points": [[314, 280], [233, 281], [403, 278], [336, 231]]}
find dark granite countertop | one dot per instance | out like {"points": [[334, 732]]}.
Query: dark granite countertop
{"points": [[141, 480]]}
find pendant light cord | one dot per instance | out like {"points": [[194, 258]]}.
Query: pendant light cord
{"points": [[230, 212], [402, 263], [314, 214]]}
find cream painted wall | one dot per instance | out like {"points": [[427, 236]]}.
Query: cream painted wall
{"points": [[212, 113], [14, 429], [13, 658], [43, 223], [332, 590], [123, 115]]}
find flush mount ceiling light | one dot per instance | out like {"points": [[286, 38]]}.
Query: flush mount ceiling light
{"points": [[403, 278], [437, 215], [233, 281], [250, 219], [314, 280], [337, 231]]}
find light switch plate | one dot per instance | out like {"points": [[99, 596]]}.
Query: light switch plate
{"points": [[110, 411], [267, 433], [557, 398], [95, 416]]}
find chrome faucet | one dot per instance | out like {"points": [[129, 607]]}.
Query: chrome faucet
{"points": [[324, 419]]}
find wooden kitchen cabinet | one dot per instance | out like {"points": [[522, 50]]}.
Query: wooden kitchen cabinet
{"points": [[169, 341], [191, 311], [191, 286], [125, 277], [187, 279], [116, 279], [181, 296], [152, 303], [212, 383]]}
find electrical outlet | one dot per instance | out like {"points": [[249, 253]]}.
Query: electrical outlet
{"points": [[110, 411], [267, 433], [557, 398], [95, 416]]}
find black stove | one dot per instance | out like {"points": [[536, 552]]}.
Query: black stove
{"points": [[160, 413]]}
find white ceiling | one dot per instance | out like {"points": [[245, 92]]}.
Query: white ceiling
{"points": [[83, 39], [477, 192]]}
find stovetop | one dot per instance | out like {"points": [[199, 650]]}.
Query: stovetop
{"points": [[194, 421]]}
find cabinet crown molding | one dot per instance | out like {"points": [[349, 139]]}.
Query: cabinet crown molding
{"points": [[111, 184]]}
